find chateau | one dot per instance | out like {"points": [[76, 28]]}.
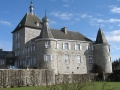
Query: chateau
{"points": [[36, 45]]}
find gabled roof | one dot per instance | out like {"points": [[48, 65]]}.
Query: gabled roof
{"points": [[59, 34], [29, 20], [100, 37]]}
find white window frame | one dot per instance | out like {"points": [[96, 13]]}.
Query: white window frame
{"points": [[90, 47], [78, 59], [78, 47], [67, 58], [47, 44], [47, 57], [66, 46]]}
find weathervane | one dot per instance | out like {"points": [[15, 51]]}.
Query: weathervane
{"points": [[99, 25], [45, 12]]}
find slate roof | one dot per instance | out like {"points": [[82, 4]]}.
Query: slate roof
{"points": [[10, 55], [29, 20], [100, 37], [45, 32], [59, 34], [3, 54]]}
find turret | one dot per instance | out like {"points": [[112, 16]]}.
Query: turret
{"points": [[102, 52], [45, 32]]}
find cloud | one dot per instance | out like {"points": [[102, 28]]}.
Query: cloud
{"points": [[113, 36], [115, 9], [85, 16], [66, 5], [52, 22], [5, 23], [63, 16]]}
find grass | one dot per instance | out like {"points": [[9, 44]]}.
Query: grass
{"points": [[77, 86]]}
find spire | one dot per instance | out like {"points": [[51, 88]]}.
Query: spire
{"points": [[100, 37], [31, 7], [45, 32]]}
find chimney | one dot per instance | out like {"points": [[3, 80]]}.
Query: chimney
{"points": [[64, 29]]}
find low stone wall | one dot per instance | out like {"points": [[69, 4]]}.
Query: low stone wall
{"points": [[42, 77], [23, 77], [73, 78]]}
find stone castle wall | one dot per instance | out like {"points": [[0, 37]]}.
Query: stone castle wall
{"points": [[23, 77], [41, 77]]}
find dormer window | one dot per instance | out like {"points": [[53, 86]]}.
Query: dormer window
{"points": [[37, 23]]}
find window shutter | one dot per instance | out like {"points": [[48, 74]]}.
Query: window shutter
{"points": [[57, 45], [80, 47], [50, 57], [69, 46], [75, 46], [63, 46], [87, 47], [44, 57]]}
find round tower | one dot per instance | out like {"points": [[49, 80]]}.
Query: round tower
{"points": [[48, 44], [102, 53]]}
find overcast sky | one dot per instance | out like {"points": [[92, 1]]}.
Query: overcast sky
{"points": [[81, 16]]}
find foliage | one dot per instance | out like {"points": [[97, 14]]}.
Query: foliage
{"points": [[74, 86], [96, 69], [115, 63]]}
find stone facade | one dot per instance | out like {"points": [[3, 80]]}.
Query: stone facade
{"points": [[67, 52]]}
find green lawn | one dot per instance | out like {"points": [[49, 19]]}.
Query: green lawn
{"points": [[78, 86]]}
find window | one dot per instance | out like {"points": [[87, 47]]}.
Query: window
{"points": [[34, 60], [18, 45], [47, 44], [47, 57], [37, 23], [15, 53], [108, 48], [26, 49], [18, 52], [28, 63], [90, 59], [33, 47], [17, 35], [78, 59], [90, 47], [78, 47], [67, 59], [66, 46], [23, 51], [109, 58]]}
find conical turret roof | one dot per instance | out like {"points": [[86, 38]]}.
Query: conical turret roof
{"points": [[100, 37], [46, 32]]}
